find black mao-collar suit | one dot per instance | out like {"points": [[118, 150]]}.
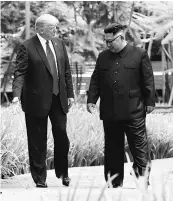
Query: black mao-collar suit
{"points": [[124, 82], [33, 84]]}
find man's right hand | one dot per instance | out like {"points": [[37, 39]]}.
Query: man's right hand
{"points": [[16, 107], [91, 107], [15, 100]]}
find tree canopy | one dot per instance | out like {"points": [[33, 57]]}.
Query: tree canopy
{"points": [[149, 25], [82, 22]]}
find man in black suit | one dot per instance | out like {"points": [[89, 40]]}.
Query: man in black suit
{"points": [[123, 80], [43, 84]]}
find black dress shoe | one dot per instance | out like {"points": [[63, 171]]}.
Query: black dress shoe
{"points": [[65, 181], [41, 185], [115, 185]]}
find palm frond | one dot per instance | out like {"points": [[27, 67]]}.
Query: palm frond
{"points": [[161, 19], [162, 31], [168, 38], [141, 25]]}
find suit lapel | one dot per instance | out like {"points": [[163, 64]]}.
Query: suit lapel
{"points": [[58, 51], [41, 53]]}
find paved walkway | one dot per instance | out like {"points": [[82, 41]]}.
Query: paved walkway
{"points": [[22, 188]]}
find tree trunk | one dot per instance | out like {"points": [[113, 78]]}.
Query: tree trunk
{"points": [[27, 19], [115, 17], [169, 66], [76, 23], [150, 44], [91, 39], [170, 51], [130, 19], [163, 69], [171, 97]]}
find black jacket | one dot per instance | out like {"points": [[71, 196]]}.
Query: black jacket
{"points": [[33, 81], [124, 82]]}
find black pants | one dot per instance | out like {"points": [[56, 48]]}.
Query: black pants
{"points": [[114, 147], [37, 142]]}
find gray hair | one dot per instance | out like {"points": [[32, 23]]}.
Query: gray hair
{"points": [[44, 20]]}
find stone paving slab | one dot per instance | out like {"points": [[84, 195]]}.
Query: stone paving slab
{"points": [[22, 187]]}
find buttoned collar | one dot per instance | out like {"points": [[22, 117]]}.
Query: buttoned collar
{"points": [[124, 51]]}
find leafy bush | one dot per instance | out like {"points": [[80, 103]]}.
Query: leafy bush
{"points": [[85, 132]]}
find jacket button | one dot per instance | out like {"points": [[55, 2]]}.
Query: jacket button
{"points": [[115, 81], [116, 72]]}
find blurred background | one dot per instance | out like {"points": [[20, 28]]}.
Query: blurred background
{"points": [[149, 25]]}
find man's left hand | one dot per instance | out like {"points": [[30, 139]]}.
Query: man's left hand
{"points": [[149, 109], [70, 102]]}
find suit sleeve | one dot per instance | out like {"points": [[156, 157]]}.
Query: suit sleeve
{"points": [[20, 71], [148, 87], [68, 77], [94, 88]]}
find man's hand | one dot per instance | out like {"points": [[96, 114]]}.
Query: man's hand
{"points": [[149, 109], [15, 100], [16, 107], [91, 107], [70, 102]]}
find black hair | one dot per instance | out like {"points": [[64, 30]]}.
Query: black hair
{"points": [[114, 28]]}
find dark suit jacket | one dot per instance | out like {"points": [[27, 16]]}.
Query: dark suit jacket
{"points": [[33, 81], [124, 82]]}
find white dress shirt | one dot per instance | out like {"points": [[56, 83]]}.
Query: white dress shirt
{"points": [[43, 43]]}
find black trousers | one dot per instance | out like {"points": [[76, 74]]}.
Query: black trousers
{"points": [[135, 131], [37, 142]]}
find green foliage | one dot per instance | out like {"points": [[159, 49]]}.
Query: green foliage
{"points": [[85, 132], [75, 16], [12, 16]]}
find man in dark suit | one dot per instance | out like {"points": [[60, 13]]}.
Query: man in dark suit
{"points": [[43, 84], [123, 80]]}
